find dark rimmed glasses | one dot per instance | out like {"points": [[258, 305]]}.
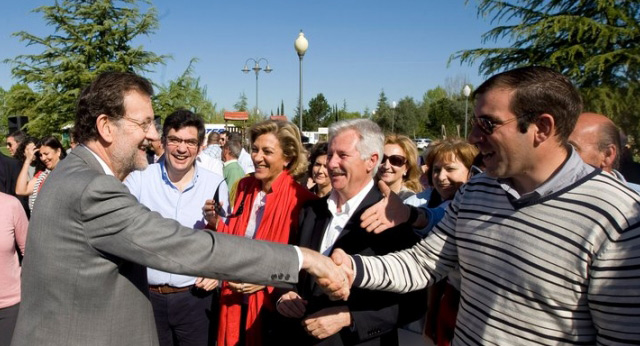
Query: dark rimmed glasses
{"points": [[487, 125], [175, 141], [394, 160]]}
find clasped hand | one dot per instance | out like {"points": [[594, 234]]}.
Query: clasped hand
{"points": [[334, 275]]}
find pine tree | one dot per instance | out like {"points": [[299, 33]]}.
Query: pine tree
{"points": [[382, 115], [242, 105], [596, 43], [185, 92], [90, 37]]}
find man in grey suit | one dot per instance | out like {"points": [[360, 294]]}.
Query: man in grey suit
{"points": [[84, 277]]}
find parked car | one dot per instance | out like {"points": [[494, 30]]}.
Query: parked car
{"points": [[422, 143]]}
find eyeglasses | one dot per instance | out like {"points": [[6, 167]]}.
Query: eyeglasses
{"points": [[394, 160], [487, 125], [144, 125], [175, 141]]}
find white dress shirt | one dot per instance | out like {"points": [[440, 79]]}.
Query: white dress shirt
{"points": [[340, 217]]}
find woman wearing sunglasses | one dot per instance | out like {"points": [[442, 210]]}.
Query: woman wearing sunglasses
{"points": [[399, 166], [266, 207], [450, 165]]}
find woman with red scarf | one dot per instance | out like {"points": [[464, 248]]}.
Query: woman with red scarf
{"points": [[266, 207]]}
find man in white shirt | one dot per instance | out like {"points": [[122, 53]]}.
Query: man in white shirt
{"points": [[355, 150]]}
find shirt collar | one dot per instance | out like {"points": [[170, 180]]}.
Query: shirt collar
{"points": [[618, 175], [571, 171], [350, 205], [229, 161], [165, 175], [103, 164]]}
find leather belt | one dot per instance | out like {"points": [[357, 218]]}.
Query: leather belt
{"points": [[166, 289]]}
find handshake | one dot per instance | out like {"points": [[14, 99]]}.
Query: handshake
{"points": [[334, 275]]}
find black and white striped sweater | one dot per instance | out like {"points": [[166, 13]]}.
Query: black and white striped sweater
{"points": [[564, 269]]}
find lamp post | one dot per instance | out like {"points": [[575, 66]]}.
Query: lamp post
{"points": [[393, 116], [301, 44], [257, 69], [466, 91]]}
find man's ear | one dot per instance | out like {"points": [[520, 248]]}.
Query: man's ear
{"points": [[610, 154], [106, 128], [545, 128], [372, 162]]}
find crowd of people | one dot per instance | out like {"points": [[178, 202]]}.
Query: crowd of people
{"points": [[155, 234]]}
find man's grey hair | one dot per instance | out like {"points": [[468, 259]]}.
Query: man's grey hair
{"points": [[371, 138], [235, 147], [608, 134]]}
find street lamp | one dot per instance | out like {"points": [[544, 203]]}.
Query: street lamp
{"points": [[466, 91], [393, 116], [301, 44], [257, 69]]}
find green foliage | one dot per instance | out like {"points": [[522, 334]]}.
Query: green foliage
{"points": [[596, 43], [316, 115], [185, 92], [90, 37], [242, 105], [383, 115]]}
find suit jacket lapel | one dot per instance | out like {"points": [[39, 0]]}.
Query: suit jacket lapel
{"points": [[323, 217]]}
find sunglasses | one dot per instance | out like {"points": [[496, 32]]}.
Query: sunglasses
{"points": [[394, 160], [487, 125]]}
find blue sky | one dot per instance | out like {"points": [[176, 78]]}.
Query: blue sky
{"points": [[356, 48]]}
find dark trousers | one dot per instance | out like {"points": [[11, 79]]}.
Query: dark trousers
{"points": [[8, 318], [183, 319]]}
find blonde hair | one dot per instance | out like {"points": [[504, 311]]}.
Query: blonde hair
{"points": [[289, 137], [412, 179], [446, 149]]}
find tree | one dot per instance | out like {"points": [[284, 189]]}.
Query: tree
{"points": [[90, 37], [382, 115], [185, 92], [316, 114], [242, 104], [595, 43], [406, 117]]}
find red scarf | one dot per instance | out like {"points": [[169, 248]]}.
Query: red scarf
{"points": [[280, 216]]}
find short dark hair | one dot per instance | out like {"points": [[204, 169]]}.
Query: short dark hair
{"points": [[20, 156], [539, 90], [234, 135], [18, 136], [318, 149], [213, 138], [183, 118], [53, 143], [234, 146], [105, 95], [609, 133]]}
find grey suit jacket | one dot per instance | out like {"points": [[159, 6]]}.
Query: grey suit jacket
{"points": [[84, 278]]}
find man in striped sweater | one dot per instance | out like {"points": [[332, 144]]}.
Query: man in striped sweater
{"points": [[548, 247]]}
